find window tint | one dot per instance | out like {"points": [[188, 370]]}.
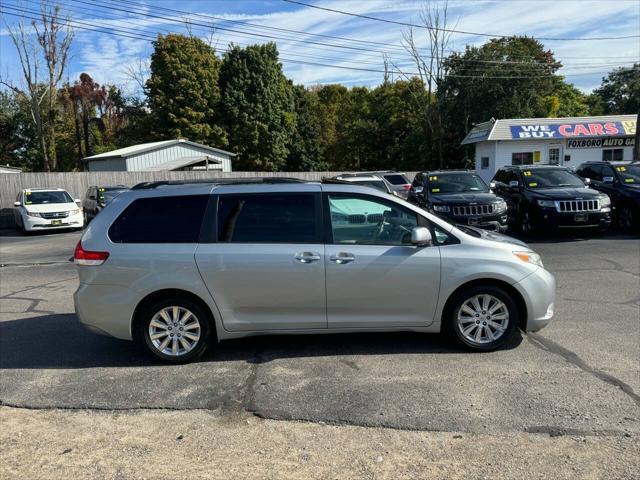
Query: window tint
{"points": [[369, 221], [269, 218], [396, 179], [417, 181], [43, 198], [160, 220], [593, 172]]}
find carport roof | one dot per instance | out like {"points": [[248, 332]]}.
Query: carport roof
{"points": [[147, 147], [501, 129]]}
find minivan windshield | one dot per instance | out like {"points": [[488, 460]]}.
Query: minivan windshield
{"points": [[551, 178], [40, 198], [629, 174], [457, 183]]}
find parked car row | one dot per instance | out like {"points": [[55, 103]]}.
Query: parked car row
{"points": [[40, 209], [533, 198]]}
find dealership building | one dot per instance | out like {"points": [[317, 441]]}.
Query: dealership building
{"points": [[550, 141]]}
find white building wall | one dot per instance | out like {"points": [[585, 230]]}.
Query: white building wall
{"points": [[500, 154]]}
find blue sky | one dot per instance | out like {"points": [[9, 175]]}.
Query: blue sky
{"points": [[108, 57]]}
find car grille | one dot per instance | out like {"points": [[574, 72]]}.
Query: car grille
{"points": [[55, 214], [577, 206], [473, 210]]}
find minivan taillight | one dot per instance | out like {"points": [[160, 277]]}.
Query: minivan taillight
{"points": [[85, 257]]}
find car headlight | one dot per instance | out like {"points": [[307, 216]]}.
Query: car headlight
{"points": [[605, 201], [33, 214], [500, 206], [74, 211], [441, 208], [530, 257], [546, 203]]}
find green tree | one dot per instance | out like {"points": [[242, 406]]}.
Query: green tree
{"points": [[183, 90], [331, 99], [306, 152], [619, 92], [19, 144], [258, 107], [565, 101]]}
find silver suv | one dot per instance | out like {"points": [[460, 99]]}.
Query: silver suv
{"points": [[182, 266]]}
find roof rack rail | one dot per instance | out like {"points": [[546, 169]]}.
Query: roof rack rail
{"points": [[218, 181]]}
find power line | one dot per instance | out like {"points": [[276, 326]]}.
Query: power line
{"points": [[209, 27], [123, 33], [450, 30]]}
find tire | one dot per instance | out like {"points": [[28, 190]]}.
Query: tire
{"points": [[465, 321], [626, 219], [160, 318], [526, 224]]}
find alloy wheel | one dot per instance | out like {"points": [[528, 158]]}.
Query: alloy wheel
{"points": [[483, 319], [174, 331]]}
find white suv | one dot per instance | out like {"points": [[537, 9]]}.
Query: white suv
{"points": [[46, 209]]}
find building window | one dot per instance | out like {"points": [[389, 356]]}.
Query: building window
{"points": [[612, 155], [522, 158], [484, 162], [554, 156]]}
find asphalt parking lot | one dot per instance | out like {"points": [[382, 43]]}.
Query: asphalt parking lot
{"points": [[579, 376]]}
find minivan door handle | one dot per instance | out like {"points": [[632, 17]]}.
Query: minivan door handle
{"points": [[307, 257], [342, 258]]}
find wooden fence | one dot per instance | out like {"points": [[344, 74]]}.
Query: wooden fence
{"points": [[76, 183]]}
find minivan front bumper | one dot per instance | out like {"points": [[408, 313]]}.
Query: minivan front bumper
{"points": [[538, 291]]}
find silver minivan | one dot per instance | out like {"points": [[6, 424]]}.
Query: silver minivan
{"points": [[180, 266]]}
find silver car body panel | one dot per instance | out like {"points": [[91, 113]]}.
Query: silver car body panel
{"points": [[262, 289]]}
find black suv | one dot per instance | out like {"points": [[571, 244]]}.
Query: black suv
{"points": [[621, 181], [550, 197], [97, 198], [459, 196]]}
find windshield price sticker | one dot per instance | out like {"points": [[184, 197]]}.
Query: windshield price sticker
{"points": [[533, 184], [435, 190], [527, 173], [621, 169], [629, 180], [433, 178]]}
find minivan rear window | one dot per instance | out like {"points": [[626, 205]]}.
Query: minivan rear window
{"points": [[269, 218], [160, 220]]}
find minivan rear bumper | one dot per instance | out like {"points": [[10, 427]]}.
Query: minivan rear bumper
{"points": [[105, 309], [538, 291]]}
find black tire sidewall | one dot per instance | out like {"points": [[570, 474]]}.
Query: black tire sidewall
{"points": [[462, 296], [203, 318]]}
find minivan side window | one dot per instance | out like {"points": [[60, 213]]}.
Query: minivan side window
{"points": [[160, 220], [367, 220], [270, 218]]}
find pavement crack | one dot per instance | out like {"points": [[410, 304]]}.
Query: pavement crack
{"points": [[548, 345], [249, 390]]}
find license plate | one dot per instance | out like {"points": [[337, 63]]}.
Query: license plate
{"points": [[581, 217], [56, 222], [474, 220]]}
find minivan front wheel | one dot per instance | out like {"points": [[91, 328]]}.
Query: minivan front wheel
{"points": [[483, 317], [175, 330]]}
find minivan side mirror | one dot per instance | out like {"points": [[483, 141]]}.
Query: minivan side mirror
{"points": [[421, 237], [77, 200], [587, 181], [418, 190], [607, 179], [17, 204]]}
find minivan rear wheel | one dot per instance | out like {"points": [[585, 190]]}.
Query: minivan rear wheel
{"points": [[175, 330], [482, 317]]}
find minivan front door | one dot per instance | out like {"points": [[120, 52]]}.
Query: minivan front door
{"points": [[265, 269], [375, 277]]}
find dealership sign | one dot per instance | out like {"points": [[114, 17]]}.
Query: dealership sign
{"points": [[574, 130], [611, 142]]}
